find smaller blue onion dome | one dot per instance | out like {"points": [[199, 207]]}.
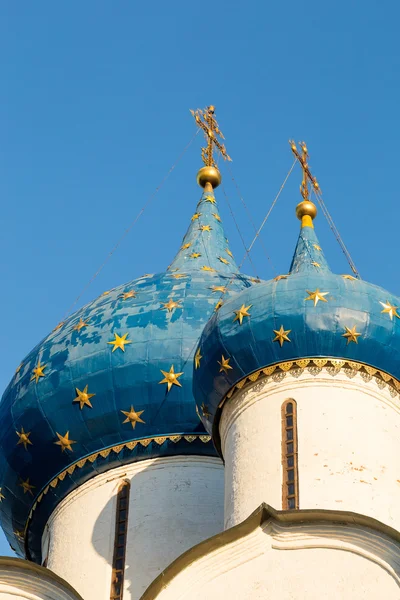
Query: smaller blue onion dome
{"points": [[309, 313]]}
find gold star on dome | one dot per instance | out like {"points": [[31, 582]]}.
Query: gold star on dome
{"points": [[24, 438], [64, 442], [217, 217], [229, 253], [390, 309], [120, 342], [316, 296], [223, 260], [186, 246], [210, 199], [179, 275], [133, 416], [349, 277], [224, 364], [351, 334], [171, 378], [38, 372], [195, 255], [315, 264], [27, 487], [205, 412], [83, 397], [281, 335], [206, 268], [197, 359], [218, 305], [170, 305], [205, 228], [279, 277], [218, 288], [80, 325], [106, 293], [129, 294], [57, 327], [1, 495], [196, 216], [242, 312], [17, 370], [317, 247]]}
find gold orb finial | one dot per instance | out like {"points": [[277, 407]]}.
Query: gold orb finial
{"points": [[209, 175], [306, 211]]}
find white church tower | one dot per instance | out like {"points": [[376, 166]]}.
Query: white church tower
{"points": [[283, 483]]}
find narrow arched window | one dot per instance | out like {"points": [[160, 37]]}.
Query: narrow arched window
{"points": [[121, 531], [290, 486]]}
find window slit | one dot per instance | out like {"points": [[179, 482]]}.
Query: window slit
{"points": [[290, 485], [121, 530]]}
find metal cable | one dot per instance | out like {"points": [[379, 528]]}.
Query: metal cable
{"points": [[250, 217], [239, 232], [336, 233], [125, 233]]}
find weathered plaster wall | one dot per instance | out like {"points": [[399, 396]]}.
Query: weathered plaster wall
{"points": [[314, 561], [348, 445], [20, 579], [174, 504]]}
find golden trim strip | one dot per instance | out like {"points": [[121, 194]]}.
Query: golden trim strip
{"points": [[314, 366]]}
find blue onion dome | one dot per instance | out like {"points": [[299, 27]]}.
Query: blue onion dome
{"points": [[308, 317], [113, 383]]}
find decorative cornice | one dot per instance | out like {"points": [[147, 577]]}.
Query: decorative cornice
{"points": [[79, 464], [259, 518], [314, 366]]}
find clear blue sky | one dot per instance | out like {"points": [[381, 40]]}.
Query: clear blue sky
{"points": [[94, 110]]}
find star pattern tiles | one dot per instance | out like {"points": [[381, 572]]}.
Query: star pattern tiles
{"points": [[281, 335], [27, 486], [120, 342], [80, 325], [224, 364], [38, 372], [129, 294], [24, 438], [64, 442], [317, 296], [133, 416], [83, 397], [351, 334], [197, 359], [242, 312], [171, 305], [171, 378], [390, 309]]}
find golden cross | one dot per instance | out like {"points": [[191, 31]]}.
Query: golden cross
{"points": [[308, 177], [207, 122]]}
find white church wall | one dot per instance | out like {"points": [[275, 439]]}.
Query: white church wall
{"points": [[174, 504], [348, 445], [314, 561], [22, 580]]}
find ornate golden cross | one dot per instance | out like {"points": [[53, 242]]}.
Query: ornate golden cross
{"points": [[308, 177], [207, 122]]}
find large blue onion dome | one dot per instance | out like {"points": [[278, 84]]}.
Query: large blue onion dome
{"points": [[309, 313], [113, 383]]}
